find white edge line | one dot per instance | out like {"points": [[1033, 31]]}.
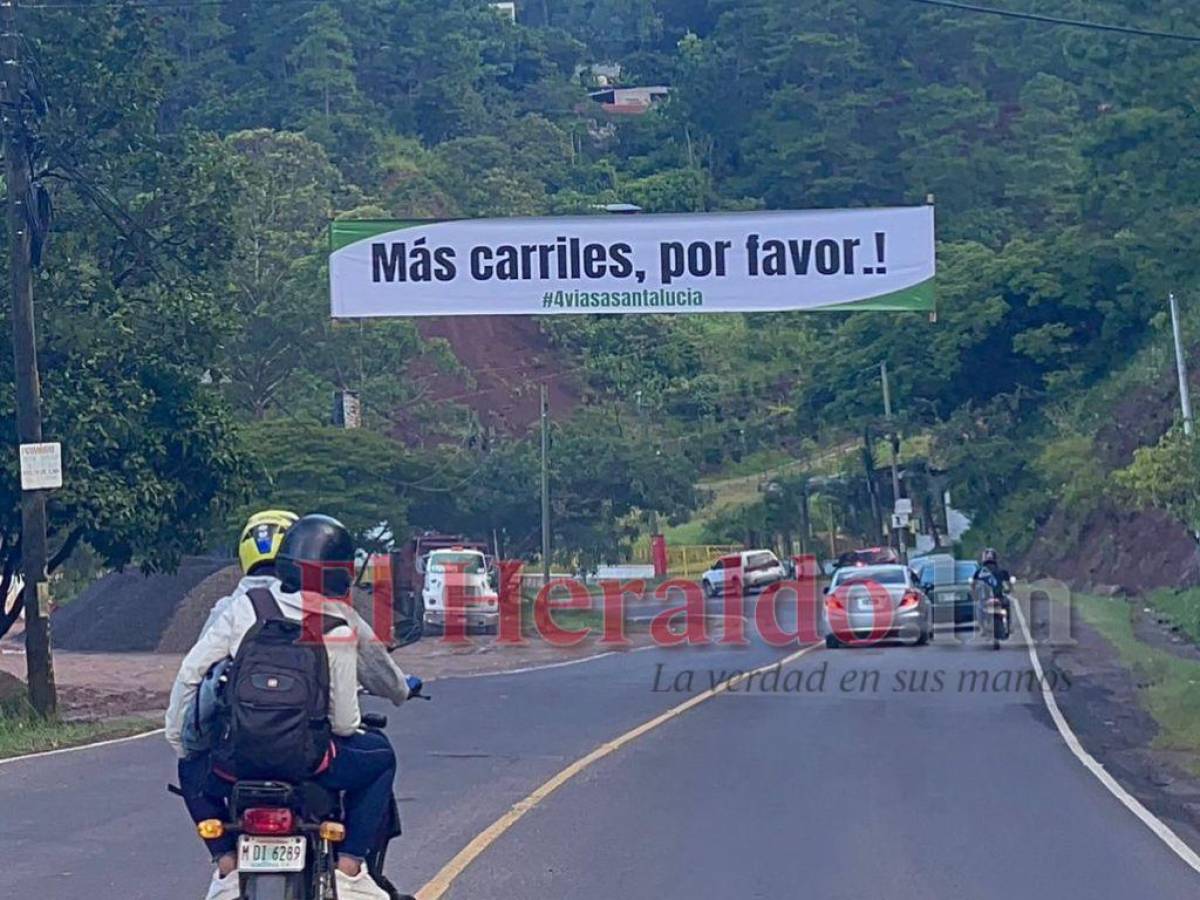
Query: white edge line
{"points": [[144, 734], [92, 746], [540, 668], [1161, 830]]}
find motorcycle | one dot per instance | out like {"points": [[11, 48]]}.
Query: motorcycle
{"points": [[994, 612], [287, 834]]}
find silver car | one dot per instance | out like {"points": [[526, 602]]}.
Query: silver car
{"points": [[871, 603]]}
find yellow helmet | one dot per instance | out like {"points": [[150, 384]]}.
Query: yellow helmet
{"points": [[262, 536]]}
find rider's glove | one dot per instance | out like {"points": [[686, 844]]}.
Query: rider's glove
{"points": [[414, 685]]}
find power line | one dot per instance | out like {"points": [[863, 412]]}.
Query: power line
{"points": [[1056, 20], [153, 4]]}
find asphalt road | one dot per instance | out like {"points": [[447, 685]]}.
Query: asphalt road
{"points": [[847, 787]]}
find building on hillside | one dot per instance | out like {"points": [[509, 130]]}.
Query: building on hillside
{"points": [[630, 101], [507, 9]]}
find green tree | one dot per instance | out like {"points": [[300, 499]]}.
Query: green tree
{"points": [[129, 304], [352, 475], [1165, 477], [288, 192]]}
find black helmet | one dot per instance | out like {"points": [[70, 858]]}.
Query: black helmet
{"points": [[989, 556], [317, 554]]}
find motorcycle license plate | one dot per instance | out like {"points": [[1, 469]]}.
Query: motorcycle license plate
{"points": [[270, 854]]}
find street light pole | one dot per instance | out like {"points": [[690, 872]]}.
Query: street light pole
{"points": [[1185, 397], [887, 411], [39, 663]]}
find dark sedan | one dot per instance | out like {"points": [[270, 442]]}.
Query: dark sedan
{"points": [[948, 582]]}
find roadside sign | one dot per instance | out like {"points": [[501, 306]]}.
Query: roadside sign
{"points": [[899, 520], [903, 506], [41, 466]]}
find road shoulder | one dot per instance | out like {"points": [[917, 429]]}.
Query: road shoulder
{"points": [[1108, 709]]}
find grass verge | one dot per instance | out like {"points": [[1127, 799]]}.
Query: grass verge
{"points": [[1181, 607], [21, 734], [1172, 692]]}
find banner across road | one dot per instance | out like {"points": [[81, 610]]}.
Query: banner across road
{"points": [[853, 259]]}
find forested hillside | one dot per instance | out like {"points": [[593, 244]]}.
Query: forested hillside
{"points": [[193, 154]]}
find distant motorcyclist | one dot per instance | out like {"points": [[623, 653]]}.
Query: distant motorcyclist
{"points": [[362, 765], [996, 579]]}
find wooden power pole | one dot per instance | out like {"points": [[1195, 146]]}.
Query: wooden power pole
{"points": [[38, 661], [545, 420], [895, 437]]}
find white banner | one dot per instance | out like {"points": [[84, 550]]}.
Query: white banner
{"points": [[855, 259]]}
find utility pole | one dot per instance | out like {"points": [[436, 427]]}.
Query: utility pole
{"points": [[38, 660], [1185, 397], [887, 411], [545, 407]]}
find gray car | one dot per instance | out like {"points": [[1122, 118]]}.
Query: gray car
{"points": [[871, 603]]}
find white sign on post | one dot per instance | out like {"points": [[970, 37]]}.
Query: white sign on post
{"points": [[833, 259], [903, 506], [41, 466]]}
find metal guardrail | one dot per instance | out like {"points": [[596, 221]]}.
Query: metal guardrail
{"points": [[686, 560]]}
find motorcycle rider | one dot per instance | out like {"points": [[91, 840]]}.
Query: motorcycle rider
{"points": [[997, 580], [362, 765]]}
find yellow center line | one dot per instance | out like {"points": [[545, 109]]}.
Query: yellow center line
{"points": [[441, 882]]}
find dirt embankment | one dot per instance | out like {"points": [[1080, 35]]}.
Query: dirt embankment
{"points": [[1113, 548], [505, 358], [1116, 547]]}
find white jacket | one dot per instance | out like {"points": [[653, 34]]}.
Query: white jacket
{"points": [[378, 673], [223, 635]]}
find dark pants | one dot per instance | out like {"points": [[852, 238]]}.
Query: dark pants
{"points": [[363, 767], [207, 797]]}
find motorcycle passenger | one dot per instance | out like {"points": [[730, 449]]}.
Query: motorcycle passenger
{"points": [[996, 578], [359, 764]]}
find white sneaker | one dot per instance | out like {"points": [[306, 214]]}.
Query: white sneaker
{"points": [[226, 888], [361, 887]]}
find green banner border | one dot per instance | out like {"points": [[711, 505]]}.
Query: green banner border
{"points": [[918, 298], [344, 232]]}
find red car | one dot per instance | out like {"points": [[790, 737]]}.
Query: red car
{"points": [[869, 556]]}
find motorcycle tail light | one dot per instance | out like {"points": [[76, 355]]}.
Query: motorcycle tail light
{"points": [[267, 820]]}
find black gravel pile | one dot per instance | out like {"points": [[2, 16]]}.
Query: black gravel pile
{"points": [[128, 611]]}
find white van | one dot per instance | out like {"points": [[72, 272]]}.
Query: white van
{"points": [[759, 569], [457, 569]]}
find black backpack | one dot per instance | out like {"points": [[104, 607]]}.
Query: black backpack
{"points": [[277, 724]]}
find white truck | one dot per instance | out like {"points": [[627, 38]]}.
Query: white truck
{"points": [[459, 575]]}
